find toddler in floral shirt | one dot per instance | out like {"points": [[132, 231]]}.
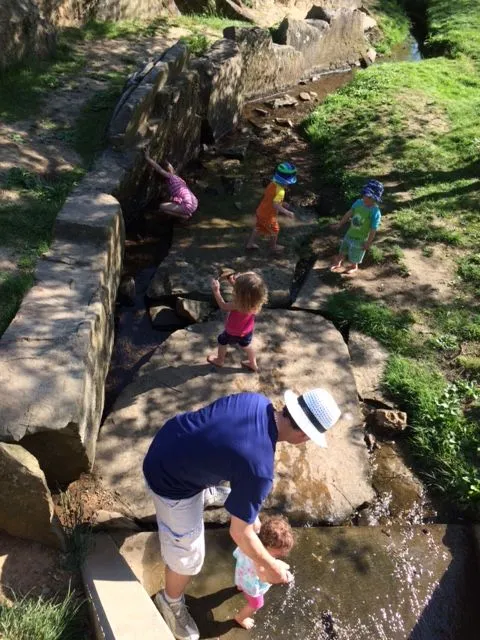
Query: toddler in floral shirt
{"points": [[277, 537]]}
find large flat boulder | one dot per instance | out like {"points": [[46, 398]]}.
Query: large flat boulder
{"points": [[55, 354], [26, 507], [296, 350]]}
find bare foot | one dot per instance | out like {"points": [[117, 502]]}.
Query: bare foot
{"points": [[351, 270], [214, 360], [248, 365], [246, 623], [336, 267], [252, 247]]}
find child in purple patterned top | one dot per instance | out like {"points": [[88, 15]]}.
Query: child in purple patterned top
{"points": [[183, 202]]}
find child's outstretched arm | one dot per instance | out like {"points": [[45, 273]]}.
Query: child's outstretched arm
{"points": [[283, 210], [224, 306], [371, 236], [156, 166], [346, 217]]}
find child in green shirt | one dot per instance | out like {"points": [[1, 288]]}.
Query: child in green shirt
{"points": [[365, 217]]}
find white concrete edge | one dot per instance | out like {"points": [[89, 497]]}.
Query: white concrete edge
{"points": [[120, 606]]}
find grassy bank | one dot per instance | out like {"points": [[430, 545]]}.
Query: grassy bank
{"points": [[454, 27], [393, 23], [42, 619], [415, 126]]}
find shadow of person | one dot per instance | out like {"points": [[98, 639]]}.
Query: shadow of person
{"points": [[202, 612]]}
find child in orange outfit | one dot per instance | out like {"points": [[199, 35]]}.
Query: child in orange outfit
{"points": [[266, 222]]}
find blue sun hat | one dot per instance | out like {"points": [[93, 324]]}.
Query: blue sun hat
{"points": [[285, 174], [373, 189]]}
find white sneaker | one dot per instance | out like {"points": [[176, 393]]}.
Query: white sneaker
{"points": [[216, 496], [176, 615]]}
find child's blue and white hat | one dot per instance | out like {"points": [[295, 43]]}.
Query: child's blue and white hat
{"points": [[314, 412], [285, 174], [373, 189]]}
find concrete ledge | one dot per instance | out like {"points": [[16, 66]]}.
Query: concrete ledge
{"points": [[121, 607]]}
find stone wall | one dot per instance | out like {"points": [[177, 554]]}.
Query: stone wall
{"points": [[28, 27], [75, 12], [174, 105], [24, 32]]}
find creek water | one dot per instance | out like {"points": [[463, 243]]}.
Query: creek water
{"points": [[412, 580]]}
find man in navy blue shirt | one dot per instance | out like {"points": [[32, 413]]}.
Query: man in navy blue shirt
{"points": [[232, 439]]}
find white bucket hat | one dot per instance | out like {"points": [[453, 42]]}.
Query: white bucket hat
{"points": [[314, 411]]}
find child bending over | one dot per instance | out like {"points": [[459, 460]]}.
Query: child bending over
{"points": [[277, 537], [249, 294], [364, 217], [183, 202], [266, 223]]}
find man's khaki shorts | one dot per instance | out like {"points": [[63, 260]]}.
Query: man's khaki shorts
{"points": [[181, 532]]}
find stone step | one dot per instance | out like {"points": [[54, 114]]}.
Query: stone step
{"points": [[121, 608]]}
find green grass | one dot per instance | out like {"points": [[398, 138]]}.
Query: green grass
{"points": [[24, 89], [26, 228], [454, 27], [41, 619], [415, 126], [89, 135], [393, 24], [197, 43], [374, 319], [443, 439]]}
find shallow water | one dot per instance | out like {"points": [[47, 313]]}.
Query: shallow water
{"points": [[352, 584]]}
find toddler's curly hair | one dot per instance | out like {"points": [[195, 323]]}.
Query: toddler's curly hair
{"points": [[276, 533], [249, 292]]}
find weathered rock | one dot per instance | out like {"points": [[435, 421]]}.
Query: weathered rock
{"points": [[233, 185], [286, 101], [313, 94], [221, 98], [24, 33], [236, 153], [284, 122], [388, 421], [163, 317], [55, 354], [26, 507], [321, 13], [127, 291], [141, 551], [368, 58], [391, 476], [311, 484], [320, 283], [193, 310], [369, 359], [369, 23], [306, 97]]}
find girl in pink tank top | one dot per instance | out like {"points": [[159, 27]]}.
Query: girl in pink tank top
{"points": [[183, 203], [249, 294]]}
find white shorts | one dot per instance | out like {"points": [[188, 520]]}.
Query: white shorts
{"points": [[181, 532]]}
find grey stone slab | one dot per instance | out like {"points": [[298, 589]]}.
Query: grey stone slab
{"points": [[312, 485], [55, 354], [369, 359]]}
